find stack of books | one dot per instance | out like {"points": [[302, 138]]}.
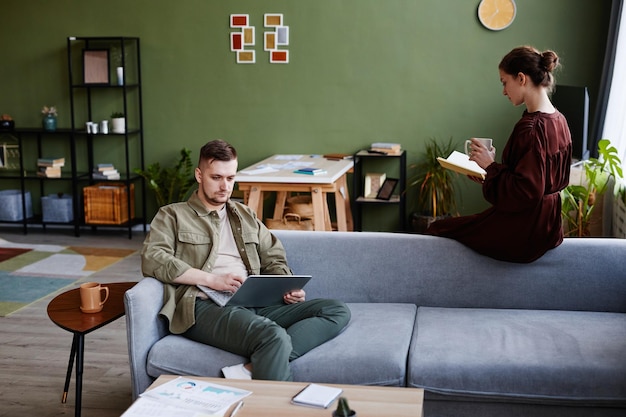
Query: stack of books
{"points": [[310, 171], [386, 148], [105, 172], [50, 167]]}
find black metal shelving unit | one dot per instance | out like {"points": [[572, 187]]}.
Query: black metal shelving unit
{"points": [[398, 199], [82, 145], [128, 93]]}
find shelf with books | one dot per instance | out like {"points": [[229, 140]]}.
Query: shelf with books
{"points": [[100, 90], [367, 185], [47, 164], [90, 100]]}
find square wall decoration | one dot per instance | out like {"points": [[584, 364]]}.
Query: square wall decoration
{"points": [[275, 40], [239, 41]]}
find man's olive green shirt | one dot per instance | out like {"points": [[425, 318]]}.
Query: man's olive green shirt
{"points": [[186, 235]]}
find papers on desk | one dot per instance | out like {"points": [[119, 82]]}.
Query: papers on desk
{"points": [[261, 169], [291, 164], [186, 397]]}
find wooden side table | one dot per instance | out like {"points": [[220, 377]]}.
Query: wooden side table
{"points": [[64, 311]]}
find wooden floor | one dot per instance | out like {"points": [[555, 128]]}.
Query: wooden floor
{"points": [[34, 352]]}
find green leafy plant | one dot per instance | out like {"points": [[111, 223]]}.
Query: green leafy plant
{"points": [[434, 184], [170, 184], [343, 409], [578, 200], [117, 115]]}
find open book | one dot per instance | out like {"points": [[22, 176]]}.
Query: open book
{"points": [[459, 162]]}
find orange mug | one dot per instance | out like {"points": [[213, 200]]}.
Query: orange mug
{"points": [[91, 297]]}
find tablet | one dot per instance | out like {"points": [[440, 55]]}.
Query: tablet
{"points": [[258, 290]]}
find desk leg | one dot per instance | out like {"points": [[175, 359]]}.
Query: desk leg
{"points": [[342, 201], [255, 201], [319, 218], [279, 207], [70, 366], [80, 356]]}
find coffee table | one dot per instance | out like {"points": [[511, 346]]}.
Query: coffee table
{"points": [[272, 399], [64, 311]]}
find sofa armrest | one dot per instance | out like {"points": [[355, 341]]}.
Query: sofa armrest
{"points": [[144, 328]]}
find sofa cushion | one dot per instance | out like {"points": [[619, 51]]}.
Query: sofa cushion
{"points": [[521, 355], [372, 350], [177, 355]]}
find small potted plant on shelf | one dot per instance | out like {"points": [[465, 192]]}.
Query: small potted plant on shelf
{"points": [[434, 184], [118, 122], [49, 121], [580, 201]]}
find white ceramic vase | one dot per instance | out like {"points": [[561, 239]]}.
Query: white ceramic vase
{"points": [[120, 75], [118, 125]]}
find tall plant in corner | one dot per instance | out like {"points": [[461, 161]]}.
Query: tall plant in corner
{"points": [[170, 184], [434, 185], [578, 200]]}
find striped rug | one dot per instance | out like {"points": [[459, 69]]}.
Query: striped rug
{"points": [[30, 272]]}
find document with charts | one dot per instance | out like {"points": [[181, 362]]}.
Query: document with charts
{"points": [[195, 395]]}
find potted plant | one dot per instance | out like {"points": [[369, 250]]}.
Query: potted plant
{"points": [[49, 121], [343, 409], [434, 185], [118, 58], [6, 122], [118, 122], [578, 201], [171, 184]]}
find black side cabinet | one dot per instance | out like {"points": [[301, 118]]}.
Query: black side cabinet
{"points": [[362, 159]]}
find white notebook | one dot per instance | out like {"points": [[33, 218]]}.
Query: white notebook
{"points": [[315, 395]]}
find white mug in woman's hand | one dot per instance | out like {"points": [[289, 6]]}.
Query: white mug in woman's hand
{"points": [[485, 141]]}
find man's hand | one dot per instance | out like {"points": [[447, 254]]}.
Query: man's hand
{"points": [[295, 296], [226, 282]]}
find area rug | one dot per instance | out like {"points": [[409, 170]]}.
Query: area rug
{"points": [[30, 272]]}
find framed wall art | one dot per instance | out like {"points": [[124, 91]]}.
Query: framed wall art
{"points": [[96, 66]]}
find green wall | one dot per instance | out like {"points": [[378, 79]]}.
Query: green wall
{"points": [[360, 70]]}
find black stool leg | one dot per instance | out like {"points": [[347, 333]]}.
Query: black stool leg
{"points": [[80, 354], [70, 365]]}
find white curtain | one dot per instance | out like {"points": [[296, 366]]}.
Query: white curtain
{"points": [[614, 127], [615, 117]]}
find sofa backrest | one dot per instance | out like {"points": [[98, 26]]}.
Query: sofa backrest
{"points": [[587, 274]]}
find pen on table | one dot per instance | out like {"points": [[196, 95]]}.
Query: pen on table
{"points": [[236, 409]]}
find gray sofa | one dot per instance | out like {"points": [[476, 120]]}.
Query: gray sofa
{"points": [[482, 337]]}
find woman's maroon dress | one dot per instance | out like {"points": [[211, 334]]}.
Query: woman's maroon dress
{"points": [[524, 220]]}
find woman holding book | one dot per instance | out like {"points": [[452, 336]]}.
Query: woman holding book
{"points": [[524, 221]]}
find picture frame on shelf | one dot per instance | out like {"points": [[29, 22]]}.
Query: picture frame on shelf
{"points": [[9, 154], [373, 182], [96, 66], [386, 190]]}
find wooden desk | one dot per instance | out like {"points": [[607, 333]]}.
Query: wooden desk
{"points": [[275, 174], [272, 399], [64, 311]]}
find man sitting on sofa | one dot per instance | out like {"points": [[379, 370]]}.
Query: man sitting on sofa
{"points": [[212, 241]]}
